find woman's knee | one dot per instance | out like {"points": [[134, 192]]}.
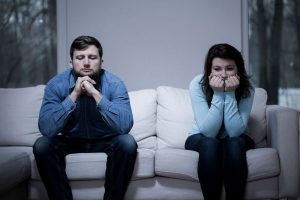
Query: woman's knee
{"points": [[238, 144], [235, 150], [203, 144]]}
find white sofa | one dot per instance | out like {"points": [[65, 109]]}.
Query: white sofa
{"points": [[164, 169]]}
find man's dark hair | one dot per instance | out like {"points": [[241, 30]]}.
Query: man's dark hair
{"points": [[226, 51], [82, 42]]}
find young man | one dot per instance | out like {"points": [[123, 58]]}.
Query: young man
{"points": [[85, 109]]}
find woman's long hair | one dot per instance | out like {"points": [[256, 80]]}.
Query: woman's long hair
{"points": [[226, 51]]}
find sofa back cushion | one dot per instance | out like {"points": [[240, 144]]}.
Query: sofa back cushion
{"points": [[143, 105], [19, 115], [175, 116], [258, 122]]}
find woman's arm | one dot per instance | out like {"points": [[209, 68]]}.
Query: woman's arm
{"points": [[236, 116], [208, 119]]}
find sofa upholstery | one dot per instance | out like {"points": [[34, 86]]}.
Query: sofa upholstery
{"points": [[163, 169]]}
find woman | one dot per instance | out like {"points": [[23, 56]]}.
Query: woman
{"points": [[221, 99]]}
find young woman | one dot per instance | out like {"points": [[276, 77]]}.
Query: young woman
{"points": [[221, 99]]}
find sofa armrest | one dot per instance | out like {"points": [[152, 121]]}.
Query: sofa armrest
{"points": [[282, 134]]}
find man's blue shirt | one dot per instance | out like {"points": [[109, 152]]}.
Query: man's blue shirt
{"points": [[84, 118]]}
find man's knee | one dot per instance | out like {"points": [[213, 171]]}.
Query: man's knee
{"points": [[127, 144], [41, 146]]}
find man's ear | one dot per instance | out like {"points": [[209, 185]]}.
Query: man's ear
{"points": [[70, 63], [101, 63]]}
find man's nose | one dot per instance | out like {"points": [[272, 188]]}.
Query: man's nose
{"points": [[86, 62]]}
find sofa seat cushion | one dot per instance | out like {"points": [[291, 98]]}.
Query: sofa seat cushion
{"points": [[262, 163], [15, 168], [90, 166]]}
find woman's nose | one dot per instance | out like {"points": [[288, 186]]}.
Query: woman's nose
{"points": [[224, 73]]}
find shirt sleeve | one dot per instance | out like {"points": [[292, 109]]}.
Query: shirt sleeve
{"points": [[208, 119], [236, 116], [116, 110], [54, 111]]}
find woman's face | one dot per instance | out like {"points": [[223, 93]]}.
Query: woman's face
{"points": [[223, 68]]}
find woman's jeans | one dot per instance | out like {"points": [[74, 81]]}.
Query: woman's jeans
{"points": [[221, 161], [50, 155]]}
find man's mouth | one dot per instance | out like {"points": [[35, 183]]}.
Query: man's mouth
{"points": [[86, 70]]}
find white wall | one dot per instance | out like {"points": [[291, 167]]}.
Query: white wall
{"points": [[149, 43]]}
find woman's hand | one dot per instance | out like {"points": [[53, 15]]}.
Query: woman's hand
{"points": [[216, 83], [231, 83]]}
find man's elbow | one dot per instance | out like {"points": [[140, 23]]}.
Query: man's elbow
{"points": [[46, 129], [127, 127]]}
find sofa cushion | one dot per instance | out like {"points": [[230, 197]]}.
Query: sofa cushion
{"points": [[257, 121], [174, 116], [143, 105], [15, 168], [262, 163], [19, 115], [167, 165], [91, 166]]}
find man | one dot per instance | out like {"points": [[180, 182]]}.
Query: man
{"points": [[85, 109]]}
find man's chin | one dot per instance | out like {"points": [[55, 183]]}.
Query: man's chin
{"points": [[92, 75]]}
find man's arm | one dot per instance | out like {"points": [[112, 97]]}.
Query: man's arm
{"points": [[116, 111], [54, 111]]}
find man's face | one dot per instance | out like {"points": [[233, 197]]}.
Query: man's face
{"points": [[86, 62]]}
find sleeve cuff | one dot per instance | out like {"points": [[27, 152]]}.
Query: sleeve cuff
{"points": [[68, 104], [104, 104], [219, 96], [229, 96]]}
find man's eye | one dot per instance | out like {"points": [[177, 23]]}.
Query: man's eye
{"points": [[93, 57], [79, 57]]}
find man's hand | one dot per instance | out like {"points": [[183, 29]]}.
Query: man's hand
{"points": [[85, 85], [231, 83], [88, 88], [216, 83]]}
